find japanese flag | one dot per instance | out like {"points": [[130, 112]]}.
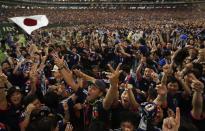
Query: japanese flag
{"points": [[30, 23]]}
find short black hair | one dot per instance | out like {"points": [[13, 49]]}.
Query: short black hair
{"points": [[172, 79], [50, 49], [11, 91], [5, 62], [47, 123], [97, 126], [131, 117], [51, 99], [29, 99], [126, 68]]}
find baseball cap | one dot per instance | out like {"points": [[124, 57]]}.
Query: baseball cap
{"points": [[12, 90], [100, 84]]}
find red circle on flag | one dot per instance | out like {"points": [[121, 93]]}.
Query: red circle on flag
{"points": [[30, 22]]}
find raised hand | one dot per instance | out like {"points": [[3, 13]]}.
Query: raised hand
{"points": [[114, 75], [69, 127], [197, 86], [30, 108], [43, 59], [42, 64], [161, 89], [172, 123], [80, 82], [178, 75], [78, 73], [19, 63], [33, 74], [3, 77], [58, 61], [128, 86]]}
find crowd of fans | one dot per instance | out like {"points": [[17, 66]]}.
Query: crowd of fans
{"points": [[102, 16], [127, 75]]}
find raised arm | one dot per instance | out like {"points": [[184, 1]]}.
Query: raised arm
{"points": [[15, 71], [66, 112], [187, 90], [172, 123], [162, 95], [33, 76], [42, 64], [139, 68], [24, 124], [131, 96], [197, 100], [122, 51], [166, 71], [160, 37], [67, 74], [3, 101], [113, 90], [84, 76]]}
